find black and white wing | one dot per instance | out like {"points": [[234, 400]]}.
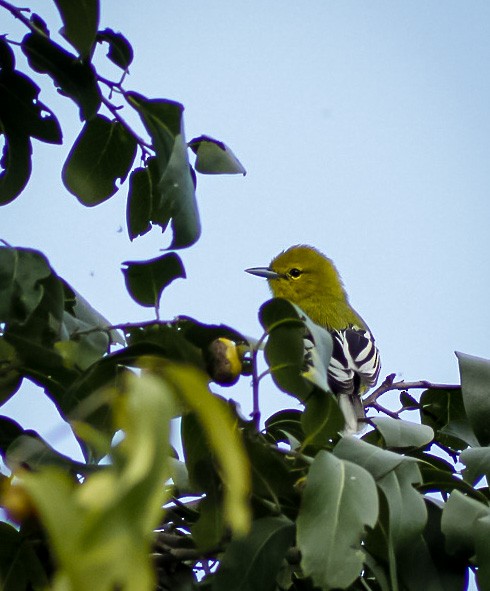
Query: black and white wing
{"points": [[353, 369]]}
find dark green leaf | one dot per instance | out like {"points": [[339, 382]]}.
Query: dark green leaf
{"points": [[103, 153], [208, 530], [120, 50], [22, 272], [444, 411], [10, 376], [395, 475], [252, 563], [285, 347], [146, 280], [140, 202], [74, 78], [408, 401], [272, 478], [15, 166], [9, 431], [452, 571], [322, 420], [202, 335], [20, 567], [30, 451], [81, 21], [475, 385], [7, 57], [285, 426], [459, 520], [477, 462], [203, 475], [174, 197], [400, 434], [214, 157], [21, 111], [339, 501], [166, 340], [482, 546]]}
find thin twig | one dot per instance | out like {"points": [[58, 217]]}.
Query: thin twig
{"points": [[255, 391], [144, 145], [390, 384], [18, 13]]}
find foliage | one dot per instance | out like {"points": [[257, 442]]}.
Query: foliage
{"points": [[289, 504]]}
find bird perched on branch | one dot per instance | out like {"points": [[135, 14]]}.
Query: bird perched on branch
{"points": [[307, 278]]}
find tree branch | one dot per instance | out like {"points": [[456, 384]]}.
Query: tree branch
{"points": [[18, 13], [390, 384]]}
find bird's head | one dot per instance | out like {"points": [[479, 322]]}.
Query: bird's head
{"points": [[303, 275]]}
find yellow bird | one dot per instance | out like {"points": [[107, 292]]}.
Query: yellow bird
{"points": [[307, 278]]}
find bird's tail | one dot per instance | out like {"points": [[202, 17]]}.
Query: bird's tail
{"points": [[353, 410]]}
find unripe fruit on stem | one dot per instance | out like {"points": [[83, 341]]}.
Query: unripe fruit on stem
{"points": [[223, 362]]}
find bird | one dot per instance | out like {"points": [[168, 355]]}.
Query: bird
{"points": [[306, 277]]}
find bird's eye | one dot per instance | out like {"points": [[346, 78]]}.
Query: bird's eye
{"points": [[294, 273]]}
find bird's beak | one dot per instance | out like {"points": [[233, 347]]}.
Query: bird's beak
{"points": [[263, 272]]}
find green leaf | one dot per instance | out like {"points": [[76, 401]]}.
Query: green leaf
{"points": [[21, 111], [252, 563], [7, 56], [285, 427], [439, 481], [208, 530], [120, 51], [408, 402], [165, 339], [22, 272], [146, 280], [215, 157], [395, 475], [81, 21], [192, 390], [30, 451], [20, 567], [482, 545], [399, 434], [451, 570], [475, 385], [174, 197], [460, 518], [477, 462], [295, 365], [103, 153], [339, 501], [140, 202], [9, 431], [444, 411], [322, 420], [110, 517], [15, 166], [10, 376], [74, 78], [272, 478]]}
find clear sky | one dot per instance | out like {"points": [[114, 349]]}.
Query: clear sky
{"points": [[365, 131]]}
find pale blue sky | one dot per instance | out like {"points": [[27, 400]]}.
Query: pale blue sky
{"points": [[365, 131]]}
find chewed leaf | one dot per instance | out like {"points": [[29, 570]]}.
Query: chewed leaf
{"points": [[146, 280], [103, 153], [215, 157]]}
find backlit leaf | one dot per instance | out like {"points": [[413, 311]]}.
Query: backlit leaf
{"points": [[146, 280], [81, 21], [174, 197], [102, 155], [215, 157]]}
